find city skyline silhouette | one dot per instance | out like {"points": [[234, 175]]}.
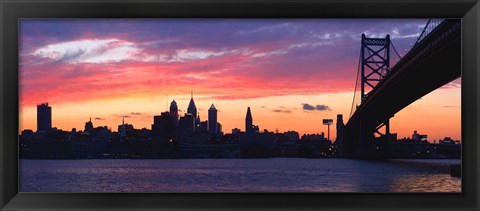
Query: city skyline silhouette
{"points": [[291, 82]]}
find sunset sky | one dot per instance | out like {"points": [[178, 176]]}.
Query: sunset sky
{"points": [[292, 73]]}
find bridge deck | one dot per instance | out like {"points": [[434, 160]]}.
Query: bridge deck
{"points": [[434, 62]]}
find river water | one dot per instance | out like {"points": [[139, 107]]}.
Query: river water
{"points": [[237, 175]]}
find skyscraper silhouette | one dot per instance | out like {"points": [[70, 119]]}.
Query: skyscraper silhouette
{"points": [[89, 127], [248, 122], [186, 125], [163, 126], [122, 130], [192, 109], [340, 131], [44, 117], [174, 112], [340, 127], [212, 120]]}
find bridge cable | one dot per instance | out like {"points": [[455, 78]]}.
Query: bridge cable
{"points": [[423, 32], [356, 81], [394, 49]]}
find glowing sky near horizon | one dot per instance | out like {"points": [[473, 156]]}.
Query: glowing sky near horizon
{"points": [[292, 73]]}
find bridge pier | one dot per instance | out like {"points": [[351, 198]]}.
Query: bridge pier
{"points": [[369, 146], [365, 142]]}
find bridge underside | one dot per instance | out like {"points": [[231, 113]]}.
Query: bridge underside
{"points": [[403, 87]]}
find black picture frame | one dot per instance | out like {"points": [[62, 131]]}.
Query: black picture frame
{"points": [[12, 10]]}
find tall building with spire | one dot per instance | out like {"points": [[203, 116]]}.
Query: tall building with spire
{"points": [[192, 109], [125, 129], [174, 112], [212, 120], [122, 130], [89, 127], [248, 122]]}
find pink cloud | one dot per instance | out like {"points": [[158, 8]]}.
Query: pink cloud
{"points": [[224, 75], [109, 61]]}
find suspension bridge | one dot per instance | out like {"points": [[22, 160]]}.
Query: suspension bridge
{"points": [[433, 61]]}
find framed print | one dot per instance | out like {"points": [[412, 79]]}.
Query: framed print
{"points": [[239, 105]]}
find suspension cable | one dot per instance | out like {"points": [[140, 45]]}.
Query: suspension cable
{"points": [[356, 81], [394, 49], [423, 31]]}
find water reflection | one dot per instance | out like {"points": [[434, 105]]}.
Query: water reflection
{"points": [[426, 183], [237, 175]]}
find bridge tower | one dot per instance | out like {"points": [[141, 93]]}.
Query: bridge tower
{"points": [[375, 62], [375, 65]]}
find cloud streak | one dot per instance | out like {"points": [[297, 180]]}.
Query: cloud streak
{"points": [[136, 113], [281, 111], [308, 107], [88, 51]]}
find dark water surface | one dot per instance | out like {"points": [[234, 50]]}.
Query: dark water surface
{"points": [[237, 175]]}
